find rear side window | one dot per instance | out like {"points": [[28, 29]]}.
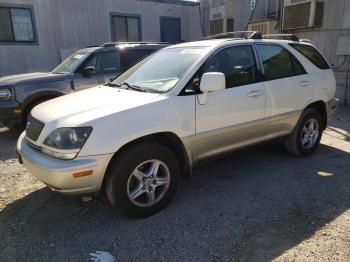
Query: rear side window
{"points": [[312, 54], [278, 62]]}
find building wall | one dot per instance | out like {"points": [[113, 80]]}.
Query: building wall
{"points": [[241, 12], [74, 24], [336, 22]]}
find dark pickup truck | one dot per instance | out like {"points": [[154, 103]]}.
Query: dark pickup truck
{"points": [[88, 67]]}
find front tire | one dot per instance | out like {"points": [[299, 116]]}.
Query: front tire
{"points": [[306, 135], [142, 180]]}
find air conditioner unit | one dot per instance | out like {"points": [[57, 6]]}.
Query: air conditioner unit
{"points": [[220, 19], [302, 14], [264, 26]]}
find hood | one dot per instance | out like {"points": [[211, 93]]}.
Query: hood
{"points": [[78, 108], [31, 78]]}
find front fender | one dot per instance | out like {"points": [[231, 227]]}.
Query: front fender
{"points": [[25, 94], [174, 115]]}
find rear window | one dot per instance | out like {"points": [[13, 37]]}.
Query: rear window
{"points": [[312, 54]]}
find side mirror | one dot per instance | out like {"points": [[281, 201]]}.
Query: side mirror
{"points": [[89, 71], [213, 81]]}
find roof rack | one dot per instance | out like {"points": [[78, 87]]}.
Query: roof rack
{"points": [[256, 35], [283, 36], [307, 41], [243, 35], [113, 44]]}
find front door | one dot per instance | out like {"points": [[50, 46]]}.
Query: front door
{"points": [[170, 29], [107, 65], [233, 117]]}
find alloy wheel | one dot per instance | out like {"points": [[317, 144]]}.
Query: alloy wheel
{"points": [[148, 183], [310, 133]]}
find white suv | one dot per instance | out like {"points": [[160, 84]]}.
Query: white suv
{"points": [[133, 138]]}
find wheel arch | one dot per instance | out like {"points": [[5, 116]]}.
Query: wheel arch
{"points": [[167, 139], [321, 107]]}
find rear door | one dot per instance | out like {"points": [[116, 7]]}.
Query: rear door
{"points": [[288, 86]]}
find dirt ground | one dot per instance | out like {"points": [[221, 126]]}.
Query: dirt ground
{"points": [[256, 205]]}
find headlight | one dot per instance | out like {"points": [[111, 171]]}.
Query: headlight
{"points": [[7, 93], [65, 143]]}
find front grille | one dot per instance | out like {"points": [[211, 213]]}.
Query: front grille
{"points": [[34, 128]]}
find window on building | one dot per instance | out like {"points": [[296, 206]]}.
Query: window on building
{"points": [[16, 25], [278, 62], [312, 54], [272, 8], [126, 28], [261, 28], [216, 26], [230, 25], [236, 63]]}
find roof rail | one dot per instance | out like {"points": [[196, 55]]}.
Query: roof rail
{"points": [[112, 44], [283, 36], [243, 35], [307, 41]]}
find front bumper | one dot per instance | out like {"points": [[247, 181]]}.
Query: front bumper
{"points": [[58, 174], [332, 106], [10, 111]]}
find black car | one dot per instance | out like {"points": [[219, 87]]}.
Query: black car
{"points": [[88, 67]]}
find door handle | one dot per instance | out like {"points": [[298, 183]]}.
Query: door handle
{"points": [[255, 93], [304, 83]]}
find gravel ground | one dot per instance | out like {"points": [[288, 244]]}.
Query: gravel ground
{"points": [[256, 205]]}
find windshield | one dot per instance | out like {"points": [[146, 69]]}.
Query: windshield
{"points": [[71, 63], [161, 71]]}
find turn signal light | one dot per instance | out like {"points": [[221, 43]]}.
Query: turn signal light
{"points": [[81, 174]]}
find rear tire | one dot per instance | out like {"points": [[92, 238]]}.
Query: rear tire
{"points": [[133, 188], [306, 135]]}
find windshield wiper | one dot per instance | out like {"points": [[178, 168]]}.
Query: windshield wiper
{"points": [[134, 87], [112, 85], [129, 86]]}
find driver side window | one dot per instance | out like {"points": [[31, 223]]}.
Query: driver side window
{"points": [[237, 63], [105, 62]]}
